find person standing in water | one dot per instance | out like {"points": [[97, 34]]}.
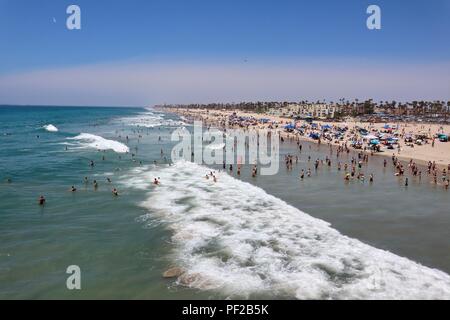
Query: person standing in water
{"points": [[41, 200]]}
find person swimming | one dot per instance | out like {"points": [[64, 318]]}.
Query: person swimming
{"points": [[115, 192], [73, 189], [108, 179], [41, 200], [95, 184], [156, 181]]}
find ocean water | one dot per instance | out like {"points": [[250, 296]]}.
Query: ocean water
{"points": [[242, 237]]}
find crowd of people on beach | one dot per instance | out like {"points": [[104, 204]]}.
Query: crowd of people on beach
{"points": [[343, 141]]}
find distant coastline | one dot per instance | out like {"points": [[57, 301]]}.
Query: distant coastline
{"points": [[63, 106]]}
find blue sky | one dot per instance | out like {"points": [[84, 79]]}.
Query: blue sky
{"points": [[253, 39]]}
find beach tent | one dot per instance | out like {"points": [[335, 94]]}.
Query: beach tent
{"points": [[327, 126], [289, 126], [375, 141], [363, 132], [386, 126]]}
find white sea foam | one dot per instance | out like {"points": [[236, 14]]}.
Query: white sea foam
{"points": [[150, 120], [233, 237], [50, 128], [88, 140]]}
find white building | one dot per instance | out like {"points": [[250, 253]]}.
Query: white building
{"points": [[314, 110]]}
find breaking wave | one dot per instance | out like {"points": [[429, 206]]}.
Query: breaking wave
{"points": [[50, 128], [233, 237], [150, 120], [88, 140]]}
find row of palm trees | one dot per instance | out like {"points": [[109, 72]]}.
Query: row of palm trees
{"points": [[355, 107]]}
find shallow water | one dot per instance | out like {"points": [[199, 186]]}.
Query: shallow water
{"points": [[123, 244]]}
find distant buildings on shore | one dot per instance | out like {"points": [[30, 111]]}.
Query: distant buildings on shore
{"points": [[434, 111]]}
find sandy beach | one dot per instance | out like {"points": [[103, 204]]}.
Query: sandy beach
{"points": [[421, 154]]}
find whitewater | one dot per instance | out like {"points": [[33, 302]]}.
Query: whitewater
{"points": [[50, 128], [234, 238], [149, 119], [88, 140]]}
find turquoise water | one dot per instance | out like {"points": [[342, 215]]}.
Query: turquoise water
{"points": [[123, 244]]}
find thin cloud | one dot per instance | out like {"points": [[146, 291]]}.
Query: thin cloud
{"points": [[147, 84]]}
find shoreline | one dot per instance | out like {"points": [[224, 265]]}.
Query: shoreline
{"points": [[421, 155]]}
